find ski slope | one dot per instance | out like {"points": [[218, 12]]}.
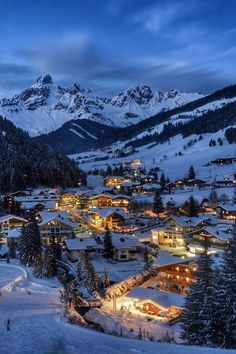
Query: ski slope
{"points": [[165, 156]]}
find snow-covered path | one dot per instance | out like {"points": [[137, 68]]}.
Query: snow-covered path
{"points": [[36, 328]]}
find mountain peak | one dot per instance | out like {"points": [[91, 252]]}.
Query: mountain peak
{"points": [[44, 80], [78, 88]]}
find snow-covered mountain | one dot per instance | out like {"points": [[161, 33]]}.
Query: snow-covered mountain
{"points": [[45, 107]]}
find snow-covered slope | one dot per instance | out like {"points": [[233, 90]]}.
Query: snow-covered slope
{"points": [[45, 107], [174, 157]]}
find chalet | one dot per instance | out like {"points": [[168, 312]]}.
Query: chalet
{"points": [[185, 224], [226, 211], [125, 248], [136, 163], [217, 239], [55, 225], [150, 188], [101, 201], [175, 273], [74, 247], [224, 160], [111, 217], [112, 181], [144, 179], [180, 182], [121, 201], [8, 222], [224, 182], [130, 187], [196, 183], [152, 302], [83, 200], [163, 236], [50, 202], [67, 200]]}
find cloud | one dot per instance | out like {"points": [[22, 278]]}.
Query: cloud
{"points": [[14, 76], [158, 18], [77, 57]]}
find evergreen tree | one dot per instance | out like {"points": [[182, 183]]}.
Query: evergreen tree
{"points": [[158, 203], [29, 244], [82, 270], [72, 293], [56, 248], [199, 305], [108, 246], [38, 266], [91, 279], [49, 262], [147, 259], [163, 182], [227, 296], [192, 207], [106, 280], [191, 173], [213, 197]]}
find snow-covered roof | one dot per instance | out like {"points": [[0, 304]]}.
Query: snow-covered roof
{"points": [[101, 195], [187, 221], [10, 216], [105, 212], [56, 216], [130, 184], [120, 241], [47, 215], [80, 244], [165, 258], [14, 233], [31, 205], [160, 297], [218, 233], [37, 198], [227, 207]]}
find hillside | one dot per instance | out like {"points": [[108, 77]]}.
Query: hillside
{"points": [[173, 157], [25, 162], [206, 115]]}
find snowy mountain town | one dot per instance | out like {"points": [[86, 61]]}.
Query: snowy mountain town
{"points": [[117, 177]]}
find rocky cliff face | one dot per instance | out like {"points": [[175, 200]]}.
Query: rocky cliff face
{"points": [[45, 107]]}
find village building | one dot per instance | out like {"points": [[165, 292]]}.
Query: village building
{"points": [[113, 181], [74, 247], [121, 201], [126, 248], [176, 228], [226, 211], [150, 188], [108, 217], [224, 160], [163, 236], [174, 273], [130, 188], [49, 202], [9, 222], [67, 201], [196, 183], [101, 201], [156, 303], [217, 239], [55, 226]]}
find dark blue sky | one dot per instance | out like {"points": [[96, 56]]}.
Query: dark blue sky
{"points": [[110, 45]]}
